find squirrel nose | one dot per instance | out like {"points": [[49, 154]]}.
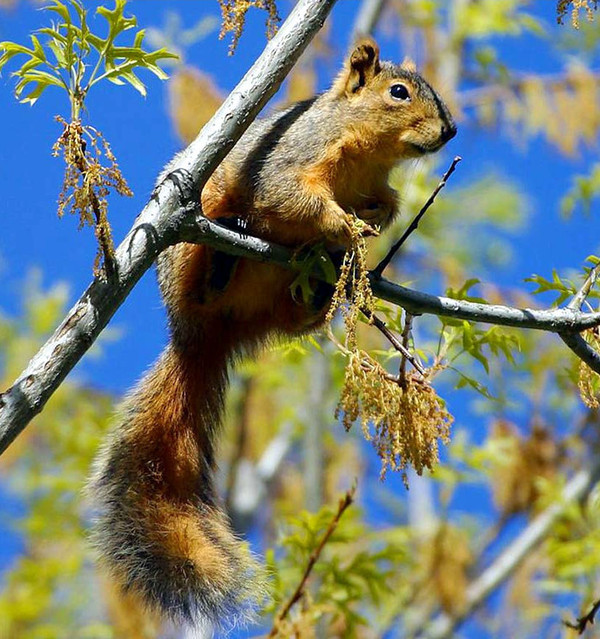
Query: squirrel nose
{"points": [[448, 131]]}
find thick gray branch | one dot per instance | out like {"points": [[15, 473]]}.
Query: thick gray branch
{"points": [[558, 320], [511, 558], [555, 320], [158, 224]]}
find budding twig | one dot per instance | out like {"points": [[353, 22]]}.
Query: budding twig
{"points": [[343, 505], [581, 295], [582, 622], [378, 270]]}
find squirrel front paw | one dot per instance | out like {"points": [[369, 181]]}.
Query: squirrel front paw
{"points": [[347, 227]]}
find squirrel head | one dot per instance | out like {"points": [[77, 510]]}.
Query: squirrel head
{"points": [[402, 109]]}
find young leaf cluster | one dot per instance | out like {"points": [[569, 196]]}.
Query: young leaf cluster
{"points": [[561, 286], [460, 337], [65, 56], [352, 575], [75, 59]]}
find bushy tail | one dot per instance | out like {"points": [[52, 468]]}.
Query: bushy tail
{"points": [[160, 532]]}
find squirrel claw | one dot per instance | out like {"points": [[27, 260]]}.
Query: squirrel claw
{"points": [[369, 231]]}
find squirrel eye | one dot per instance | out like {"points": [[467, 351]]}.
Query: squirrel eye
{"points": [[399, 92]]}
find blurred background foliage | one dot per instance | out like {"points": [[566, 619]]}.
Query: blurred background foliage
{"points": [[397, 559]]}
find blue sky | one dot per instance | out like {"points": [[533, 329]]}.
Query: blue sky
{"points": [[143, 140]]}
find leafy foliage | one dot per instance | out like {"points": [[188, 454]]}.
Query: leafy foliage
{"points": [[50, 590], [63, 59], [350, 578], [515, 453]]}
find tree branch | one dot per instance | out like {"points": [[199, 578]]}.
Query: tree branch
{"points": [[582, 349], [164, 222], [97, 305], [158, 225], [344, 503], [510, 559], [575, 341], [366, 19], [556, 320], [378, 270]]}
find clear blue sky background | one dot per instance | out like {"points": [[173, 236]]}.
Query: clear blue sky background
{"points": [[143, 140]]}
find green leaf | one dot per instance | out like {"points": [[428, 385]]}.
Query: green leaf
{"points": [[32, 97], [463, 292], [47, 78], [565, 290], [11, 49], [136, 83], [61, 9], [58, 50], [38, 49]]}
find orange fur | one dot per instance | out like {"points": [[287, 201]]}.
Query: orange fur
{"points": [[297, 177]]}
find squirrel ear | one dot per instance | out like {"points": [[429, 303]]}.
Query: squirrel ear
{"points": [[409, 64], [361, 67]]}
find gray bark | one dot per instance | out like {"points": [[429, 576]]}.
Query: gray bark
{"points": [[158, 225]]}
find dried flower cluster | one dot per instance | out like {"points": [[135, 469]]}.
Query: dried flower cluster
{"points": [[562, 108], [589, 380], [447, 559], [522, 463], [402, 416], [234, 17], [404, 422], [87, 182], [562, 8], [353, 294], [193, 100]]}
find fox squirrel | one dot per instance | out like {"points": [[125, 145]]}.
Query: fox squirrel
{"points": [[295, 177]]}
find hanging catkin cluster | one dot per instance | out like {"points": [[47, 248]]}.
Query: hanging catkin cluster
{"points": [[88, 182], [234, 17], [562, 8], [404, 422], [402, 416], [589, 380]]}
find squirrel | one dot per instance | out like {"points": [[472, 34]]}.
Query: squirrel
{"points": [[296, 177]]}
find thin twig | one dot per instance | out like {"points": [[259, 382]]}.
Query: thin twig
{"points": [[378, 270], [581, 295], [343, 505], [103, 236], [408, 318], [395, 342], [582, 622]]}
